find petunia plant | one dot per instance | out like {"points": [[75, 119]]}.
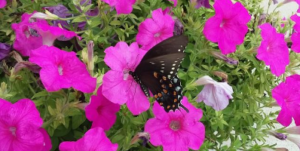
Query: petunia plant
{"points": [[66, 75]]}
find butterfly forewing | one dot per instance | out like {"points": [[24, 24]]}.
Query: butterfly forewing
{"points": [[157, 71]]}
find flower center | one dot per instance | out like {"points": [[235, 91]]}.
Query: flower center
{"points": [[60, 70], [222, 23], [157, 35], [268, 48], [99, 109], [13, 130], [175, 125], [125, 74]]}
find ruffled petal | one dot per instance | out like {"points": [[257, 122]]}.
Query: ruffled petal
{"points": [[113, 83], [138, 102], [284, 117]]}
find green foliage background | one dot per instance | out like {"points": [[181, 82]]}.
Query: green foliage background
{"points": [[243, 122]]}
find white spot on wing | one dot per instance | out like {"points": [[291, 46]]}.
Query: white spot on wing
{"points": [[162, 71], [179, 50]]}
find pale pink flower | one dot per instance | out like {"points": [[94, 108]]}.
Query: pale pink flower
{"points": [[287, 95], [295, 38], [273, 50], [118, 85], [101, 111], [214, 94], [93, 140], [295, 140], [2, 3], [177, 130], [154, 30], [122, 6], [20, 127], [293, 130], [229, 25], [62, 69]]}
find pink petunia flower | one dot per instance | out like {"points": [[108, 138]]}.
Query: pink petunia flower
{"points": [[154, 30], [214, 94], [94, 139], [20, 127], [62, 69], [2, 3], [27, 38], [31, 33], [273, 50], [177, 130], [287, 95], [295, 38], [229, 25], [101, 111], [122, 6], [118, 85], [51, 33]]}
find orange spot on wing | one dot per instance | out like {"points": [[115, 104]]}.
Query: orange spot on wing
{"points": [[159, 94], [155, 74]]}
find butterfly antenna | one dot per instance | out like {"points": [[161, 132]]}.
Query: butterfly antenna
{"points": [[187, 110]]}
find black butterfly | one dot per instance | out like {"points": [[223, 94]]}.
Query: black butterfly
{"points": [[157, 72]]}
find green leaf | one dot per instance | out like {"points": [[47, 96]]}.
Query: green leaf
{"points": [[77, 121], [78, 19]]}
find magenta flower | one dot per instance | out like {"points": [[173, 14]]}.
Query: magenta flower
{"points": [[273, 50], [50, 33], [27, 37], [32, 33], [214, 94], [2, 3], [229, 25], [122, 6], [20, 127], [94, 139], [295, 38], [287, 95], [62, 69], [154, 30], [177, 130], [118, 85], [101, 111]]}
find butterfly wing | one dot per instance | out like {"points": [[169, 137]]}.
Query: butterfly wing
{"points": [[165, 57], [158, 69]]}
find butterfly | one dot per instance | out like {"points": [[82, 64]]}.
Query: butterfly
{"points": [[158, 69]]}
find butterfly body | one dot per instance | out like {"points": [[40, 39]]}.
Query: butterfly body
{"points": [[157, 72]]}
